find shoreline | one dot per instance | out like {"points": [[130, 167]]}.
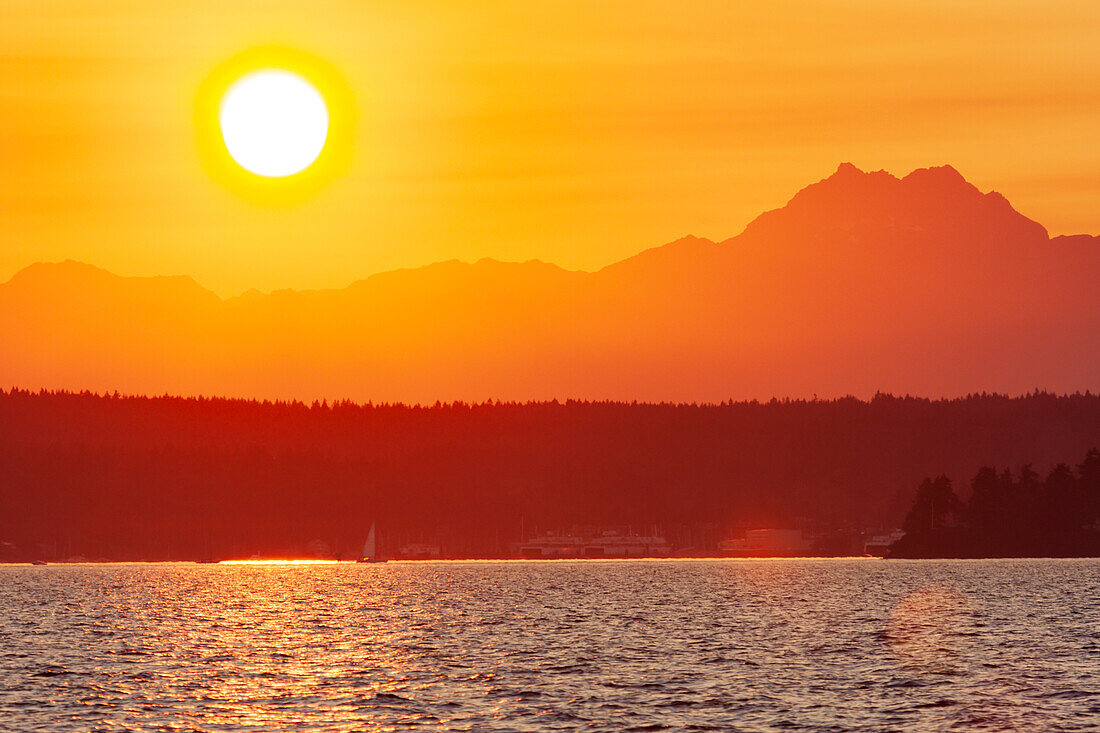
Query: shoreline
{"points": [[292, 562]]}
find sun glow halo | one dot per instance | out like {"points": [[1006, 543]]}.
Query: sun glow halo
{"points": [[274, 122]]}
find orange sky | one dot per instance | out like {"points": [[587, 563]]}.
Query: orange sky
{"points": [[575, 133]]}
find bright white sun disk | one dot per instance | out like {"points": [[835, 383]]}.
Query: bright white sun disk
{"points": [[274, 123]]}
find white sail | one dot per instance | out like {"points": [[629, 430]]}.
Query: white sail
{"points": [[370, 549]]}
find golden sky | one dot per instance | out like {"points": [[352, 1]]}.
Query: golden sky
{"points": [[576, 133]]}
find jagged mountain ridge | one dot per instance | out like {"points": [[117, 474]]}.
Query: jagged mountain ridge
{"points": [[862, 282]]}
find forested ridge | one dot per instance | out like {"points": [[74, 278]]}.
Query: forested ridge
{"points": [[157, 477]]}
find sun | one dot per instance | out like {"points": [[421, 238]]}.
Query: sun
{"points": [[274, 122]]}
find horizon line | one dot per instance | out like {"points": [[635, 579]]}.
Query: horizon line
{"points": [[490, 402]]}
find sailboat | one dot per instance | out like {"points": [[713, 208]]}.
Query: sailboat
{"points": [[370, 548]]}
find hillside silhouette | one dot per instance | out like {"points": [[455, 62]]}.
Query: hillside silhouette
{"points": [[862, 282], [166, 477]]}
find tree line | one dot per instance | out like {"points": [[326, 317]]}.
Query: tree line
{"points": [[1008, 514], [124, 477]]}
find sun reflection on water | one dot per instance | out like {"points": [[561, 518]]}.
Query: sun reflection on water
{"points": [[562, 645], [282, 562]]}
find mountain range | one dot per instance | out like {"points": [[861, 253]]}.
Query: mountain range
{"points": [[862, 282]]}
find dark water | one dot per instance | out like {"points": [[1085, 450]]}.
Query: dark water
{"points": [[699, 645]]}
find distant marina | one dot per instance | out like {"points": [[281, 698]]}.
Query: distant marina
{"points": [[575, 543]]}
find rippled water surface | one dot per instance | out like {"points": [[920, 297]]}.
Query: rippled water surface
{"points": [[604, 645]]}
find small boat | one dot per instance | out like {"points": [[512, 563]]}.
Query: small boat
{"points": [[370, 548], [38, 562], [206, 561]]}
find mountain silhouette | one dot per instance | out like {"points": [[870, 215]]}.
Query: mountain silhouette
{"points": [[862, 282]]}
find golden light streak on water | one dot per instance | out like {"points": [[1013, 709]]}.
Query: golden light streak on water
{"points": [[280, 562]]}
